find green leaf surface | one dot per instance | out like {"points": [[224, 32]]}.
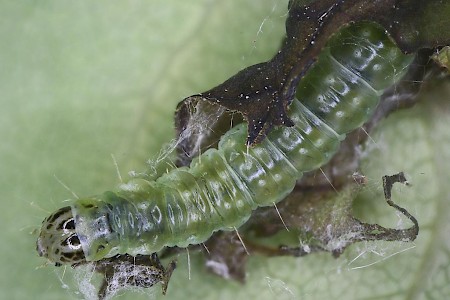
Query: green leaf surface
{"points": [[82, 80]]}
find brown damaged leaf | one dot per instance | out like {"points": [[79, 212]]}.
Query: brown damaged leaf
{"points": [[326, 220], [315, 193], [124, 271], [314, 199], [262, 92], [323, 221]]}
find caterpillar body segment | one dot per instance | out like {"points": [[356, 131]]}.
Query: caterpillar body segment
{"points": [[221, 187]]}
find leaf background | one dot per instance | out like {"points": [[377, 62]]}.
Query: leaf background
{"points": [[82, 80]]}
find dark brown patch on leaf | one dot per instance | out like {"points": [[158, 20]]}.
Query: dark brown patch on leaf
{"points": [[262, 92]]}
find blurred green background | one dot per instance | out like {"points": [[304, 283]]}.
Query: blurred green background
{"points": [[83, 80]]}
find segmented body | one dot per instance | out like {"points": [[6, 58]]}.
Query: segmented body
{"points": [[221, 187]]}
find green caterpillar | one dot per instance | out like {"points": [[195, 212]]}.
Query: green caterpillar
{"points": [[221, 187]]}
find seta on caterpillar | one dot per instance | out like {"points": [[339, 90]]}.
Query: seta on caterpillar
{"points": [[221, 187]]}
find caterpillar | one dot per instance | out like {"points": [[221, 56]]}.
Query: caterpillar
{"points": [[222, 186]]}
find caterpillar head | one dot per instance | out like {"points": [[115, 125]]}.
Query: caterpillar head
{"points": [[58, 240]]}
